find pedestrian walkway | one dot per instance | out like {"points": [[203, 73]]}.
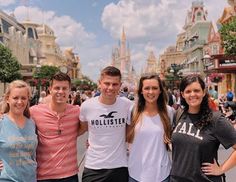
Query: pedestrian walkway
{"points": [[81, 149]]}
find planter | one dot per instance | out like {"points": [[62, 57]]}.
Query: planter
{"points": [[216, 77]]}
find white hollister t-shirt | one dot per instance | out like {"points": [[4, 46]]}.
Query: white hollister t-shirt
{"points": [[106, 132], [148, 159]]}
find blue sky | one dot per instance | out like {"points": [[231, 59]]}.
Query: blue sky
{"points": [[93, 27]]}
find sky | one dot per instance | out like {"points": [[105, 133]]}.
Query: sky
{"points": [[93, 27]]}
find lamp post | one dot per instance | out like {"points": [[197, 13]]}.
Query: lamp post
{"points": [[37, 76], [206, 61], [172, 71], [64, 69]]}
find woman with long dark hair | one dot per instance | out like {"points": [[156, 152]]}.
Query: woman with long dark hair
{"points": [[197, 136]]}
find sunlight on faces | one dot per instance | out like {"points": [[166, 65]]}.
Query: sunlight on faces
{"points": [[60, 91], [151, 90], [109, 86], [18, 100], [193, 95]]}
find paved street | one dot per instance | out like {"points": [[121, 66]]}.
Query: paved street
{"points": [[81, 148], [223, 154]]}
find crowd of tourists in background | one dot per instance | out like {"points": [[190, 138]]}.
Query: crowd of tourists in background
{"points": [[131, 135]]}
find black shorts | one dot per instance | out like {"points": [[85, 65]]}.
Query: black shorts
{"points": [[68, 179], [106, 175]]}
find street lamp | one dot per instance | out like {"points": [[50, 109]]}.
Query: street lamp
{"points": [[172, 70], [37, 76], [206, 62], [64, 69], [38, 67]]}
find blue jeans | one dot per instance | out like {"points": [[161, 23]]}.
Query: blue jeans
{"points": [[133, 180]]}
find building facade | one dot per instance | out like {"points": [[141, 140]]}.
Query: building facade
{"points": [[151, 63], [171, 56], [196, 35], [219, 62], [54, 56], [24, 47], [51, 50], [34, 45], [73, 66]]}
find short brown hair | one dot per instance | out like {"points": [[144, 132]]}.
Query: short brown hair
{"points": [[110, 71], [60, 76]]}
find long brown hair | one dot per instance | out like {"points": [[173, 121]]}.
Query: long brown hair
{"points": [[205, 110], [16, 84], [140, 106]]}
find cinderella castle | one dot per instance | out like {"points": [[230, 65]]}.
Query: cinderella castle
{"points": [[121, 60]]}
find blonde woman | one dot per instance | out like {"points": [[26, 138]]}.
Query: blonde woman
{"points": [[18, 140], [149, 132]]}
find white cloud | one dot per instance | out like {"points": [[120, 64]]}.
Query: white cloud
{"points": [[152, 24], [67, 30], [94, 58], [152, 20], [4, 3]]}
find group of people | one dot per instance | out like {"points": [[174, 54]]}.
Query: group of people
{"points": [[39, 143]]}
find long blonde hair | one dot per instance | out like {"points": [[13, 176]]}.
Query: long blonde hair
{"points": [[140, 106], [16, 84]]}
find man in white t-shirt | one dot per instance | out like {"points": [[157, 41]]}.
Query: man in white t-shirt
{"points": [[106, 117]]}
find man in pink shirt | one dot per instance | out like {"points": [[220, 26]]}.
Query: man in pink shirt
{"points": [[57, 127]]}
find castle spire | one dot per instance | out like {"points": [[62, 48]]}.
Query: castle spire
{"points": [[123, 36]]}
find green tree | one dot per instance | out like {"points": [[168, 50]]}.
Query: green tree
{"points": [[228, 36], [43, 75], [84, 84], [174, 75], [9, 66], [45, 72]]}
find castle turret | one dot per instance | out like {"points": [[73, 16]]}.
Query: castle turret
{"points": [[121, 58]]}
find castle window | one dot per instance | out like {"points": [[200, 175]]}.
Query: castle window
{"points": [[215, 49], [30, 33]]}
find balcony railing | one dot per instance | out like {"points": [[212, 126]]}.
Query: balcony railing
{"points": [[191, 44]]}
